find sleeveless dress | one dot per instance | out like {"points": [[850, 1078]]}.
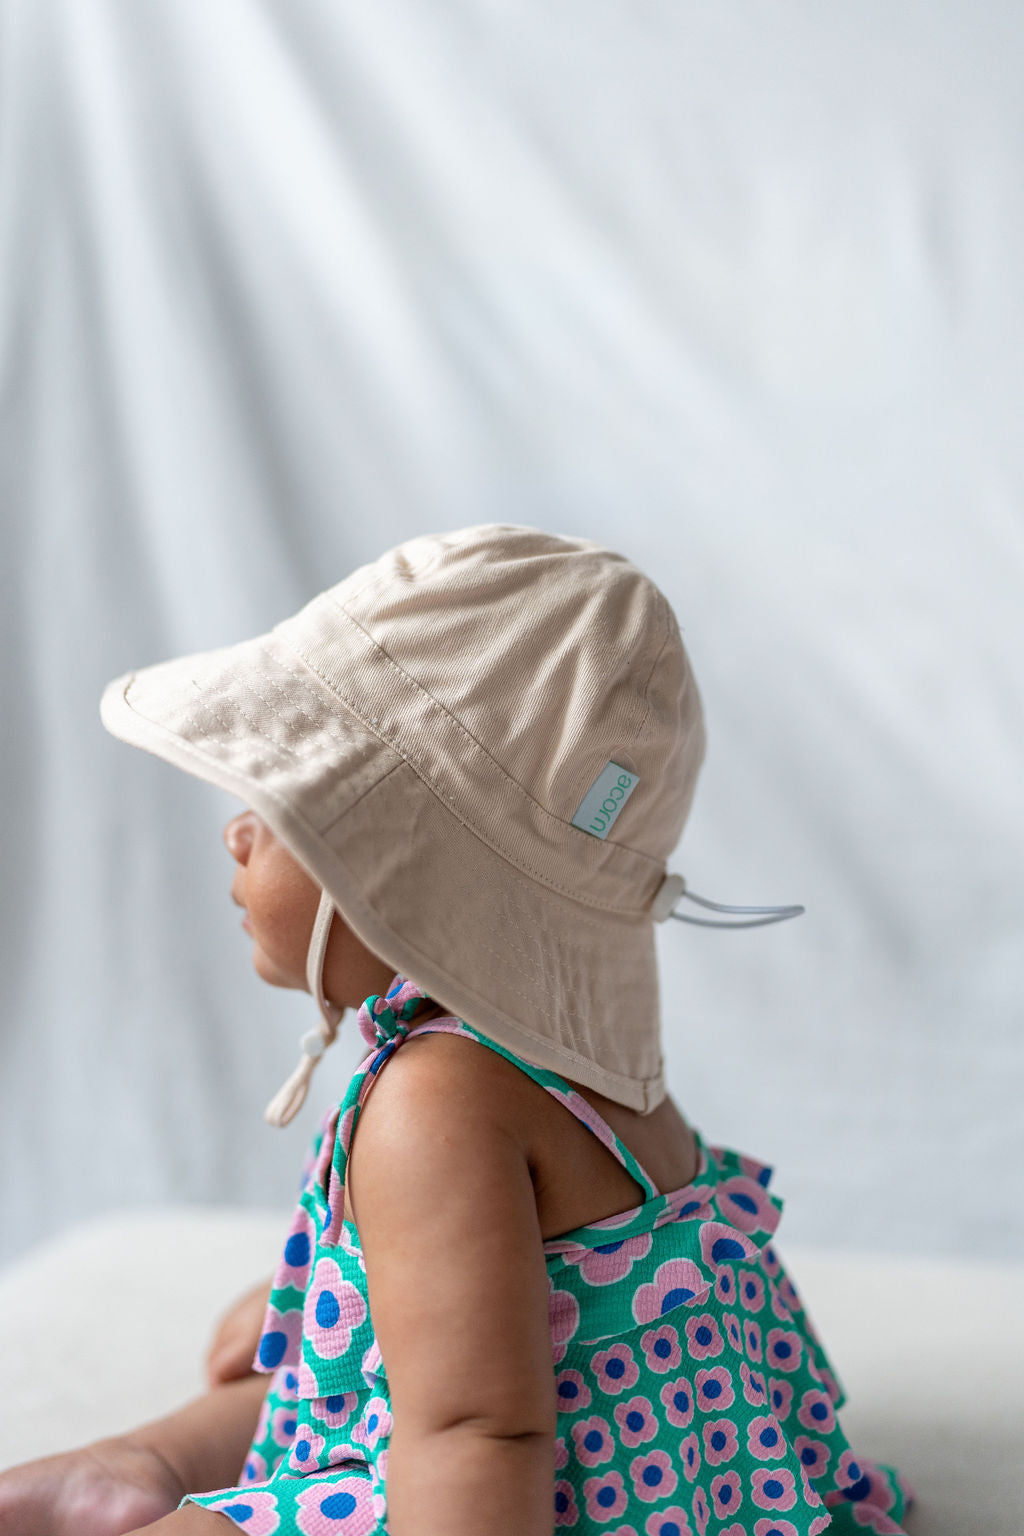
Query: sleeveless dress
{"points": [[694, 1397]]}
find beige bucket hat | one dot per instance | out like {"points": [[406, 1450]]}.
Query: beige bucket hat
{"points": [[483, 746]]}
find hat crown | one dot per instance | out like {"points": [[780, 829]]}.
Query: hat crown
{"points": [[555, 654]]}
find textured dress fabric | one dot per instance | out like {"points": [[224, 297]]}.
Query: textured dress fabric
{"points": [[694, 1397]]}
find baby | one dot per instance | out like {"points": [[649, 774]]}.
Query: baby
{"points": [[527, 1295]]}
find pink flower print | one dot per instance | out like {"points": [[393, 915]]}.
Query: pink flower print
{"points": [[702, 1337], [308, 1385], [816, 1412], [348, 1242], [726, 1494], [563, 1319], [566, 1512], [615, 1368], [293, 1265], [691, 1204], [653, 1477], [572, 1392], [334, 1411], [673, 1521], [636, 1421], [661, 1348], [561, 1453], [818, 1525], [779, 1307], [733, 1530], [255, 1511], [372, 1363], [714, 1389], [605, 1496], [751, 1290], [593, 1440], [747, 1205], [855, 1480], [675, 1282], [780, 1528], [255, 1469], [773, 1488], [375, 1423], [306, 1450], [831, 1385], [701, 1511], [725, 1286], [770, 1262], [612, 1261], [780, 1397], [753, 1386], [283, 1423], [263, 1422], [752, 1338], [279, 1342], [689, 1455], [733, 1331], [814, 1455], [334, 1309], [341, 1507], [765, 1439], [721, 1441], [723, 1244], [678, 1399]]}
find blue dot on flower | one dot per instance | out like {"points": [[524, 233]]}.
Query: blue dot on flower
{"points": [[854, 1470], [302, 1449], [675, 1298], [327, 1309], [703, 1335], [713, 1388], [289, 1426], [808, 1455], [726, 1248], [239, 1512], [371, 1423], [725, 1493], [337, 1505], [745, 1203], [859, 1490], [662, 1348], [615, 1367], [819, 1411], [291, 1381], [751, 1289], [561, 1502], [272, 1348], [782, 1349], [669, 1528], [296, 1250], [718, 1440], [569, 1389], [336, 1403], [773, 1488], [691, 1205], [769, 1436], [593, 1440], [609, 1247], [634, 1421], [651, 1476], [681, 1400], [605, 1496]]}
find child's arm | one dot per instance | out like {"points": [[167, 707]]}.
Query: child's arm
{"points": [[233, 1346], [442, 1196]]}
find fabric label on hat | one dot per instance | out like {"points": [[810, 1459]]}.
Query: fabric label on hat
{"points": [[604, 800]]}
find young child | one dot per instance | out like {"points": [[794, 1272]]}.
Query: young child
{"points": [[520, 1293]]}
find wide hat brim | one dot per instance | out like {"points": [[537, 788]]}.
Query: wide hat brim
{"points": [[570, 986]]}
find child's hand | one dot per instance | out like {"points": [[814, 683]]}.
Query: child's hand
{"points": [[231, 1352], [103, 1489]]}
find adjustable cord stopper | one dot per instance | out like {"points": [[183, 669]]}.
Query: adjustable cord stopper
{"points": [[673, 888]]}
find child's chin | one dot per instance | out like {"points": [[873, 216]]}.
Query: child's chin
{"points": [[270, 972]]}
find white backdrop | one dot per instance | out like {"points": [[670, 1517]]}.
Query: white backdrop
{"points": [[737, 290]]}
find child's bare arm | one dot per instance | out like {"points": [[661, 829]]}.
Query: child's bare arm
{"points": [[234, 1342], [441, 1192], [125, 1482]]}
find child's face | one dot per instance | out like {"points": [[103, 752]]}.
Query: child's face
{"points": [[281, 902]]}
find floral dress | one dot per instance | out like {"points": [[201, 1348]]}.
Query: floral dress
{"points": [[694, 1397]]}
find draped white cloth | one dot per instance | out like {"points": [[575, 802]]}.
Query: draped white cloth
{"points": [[738, 291]]}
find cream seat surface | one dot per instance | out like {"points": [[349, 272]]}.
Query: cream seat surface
{"points": [[106, 1325]]}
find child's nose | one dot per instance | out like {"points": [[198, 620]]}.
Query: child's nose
{"points": [[238, 835]]}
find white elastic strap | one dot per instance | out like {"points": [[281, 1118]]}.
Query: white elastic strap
{"points": [[290, 1097], [674, 886]]}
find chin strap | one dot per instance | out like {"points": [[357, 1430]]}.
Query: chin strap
{"points": [[674, 886], [289, 1098]]}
